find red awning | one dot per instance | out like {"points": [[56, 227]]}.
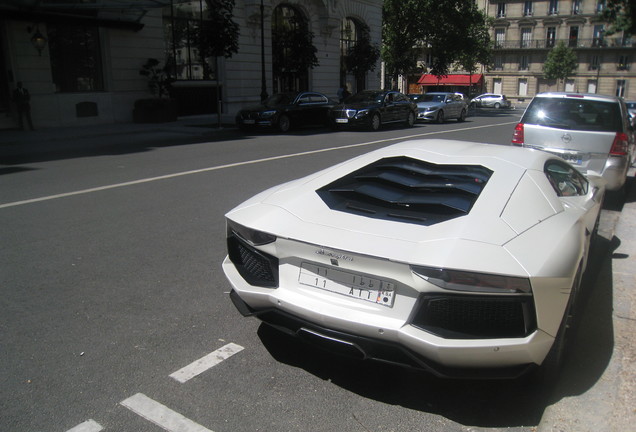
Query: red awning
{"points": [[450, 80]]}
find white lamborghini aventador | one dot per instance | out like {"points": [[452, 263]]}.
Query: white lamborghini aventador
{"points": [[458, 258]]}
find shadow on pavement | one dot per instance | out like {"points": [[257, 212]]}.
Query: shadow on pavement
{"points": [[481, 403]]}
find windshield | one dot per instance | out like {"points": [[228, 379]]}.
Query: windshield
{"points": [[366, 97], [431, 98], [280, 99], [575, 114]]}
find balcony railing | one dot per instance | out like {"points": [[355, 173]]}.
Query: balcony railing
{"points": [[572, 43]]}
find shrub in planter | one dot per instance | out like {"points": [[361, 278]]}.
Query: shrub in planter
{"points": [[157, 109]]}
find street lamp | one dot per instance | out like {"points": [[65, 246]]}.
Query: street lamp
{"points": [[38, 40], [263, 83]]}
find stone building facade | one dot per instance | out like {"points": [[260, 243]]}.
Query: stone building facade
{"points": [[523, 33], [94, 78]]}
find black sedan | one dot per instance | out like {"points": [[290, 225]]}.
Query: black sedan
{"points": [[283, 111], [374, 108]]}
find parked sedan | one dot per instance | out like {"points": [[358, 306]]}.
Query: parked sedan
{"points": [[491, 100], [373, 108], [439, 106], [591, 131], [459, 258], [283, 111]]}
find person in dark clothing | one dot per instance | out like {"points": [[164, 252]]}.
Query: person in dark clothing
{"points": [[22, 99]]}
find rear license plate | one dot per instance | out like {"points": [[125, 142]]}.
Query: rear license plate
{"points": [[348, 284], [249, 121], [342, 120]]}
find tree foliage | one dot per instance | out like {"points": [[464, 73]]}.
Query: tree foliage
{"points": [[293, 49], [452, 30], [363, 55], [560, 63], [621, 16], [158, 77], [219, 33]]}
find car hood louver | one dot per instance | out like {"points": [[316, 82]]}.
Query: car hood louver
{"points": [[407, 190]]}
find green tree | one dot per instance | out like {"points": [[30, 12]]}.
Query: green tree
{"points": [[363, 55], [452, 30], [621, 16], [560, 63], [219, 34]]}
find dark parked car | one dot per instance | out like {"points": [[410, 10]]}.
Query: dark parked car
{"points": [[439, 106], [374, 108], [283, 111]]}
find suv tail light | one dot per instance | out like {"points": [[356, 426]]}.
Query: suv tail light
{"points": [[620, 145], [517, 136]]}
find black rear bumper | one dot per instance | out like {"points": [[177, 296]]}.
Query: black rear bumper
{"points": [[364, 348]]}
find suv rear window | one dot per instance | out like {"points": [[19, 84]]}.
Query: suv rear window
{"points": [[575, 114]]}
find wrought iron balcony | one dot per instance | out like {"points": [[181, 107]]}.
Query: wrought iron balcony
{"points": [[605, 42]]}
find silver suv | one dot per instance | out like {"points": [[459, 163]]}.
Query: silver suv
{"points": [[591, 131]]}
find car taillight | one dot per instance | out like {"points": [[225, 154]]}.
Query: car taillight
{"points": [[620, 144], [517, 136], [458, 280]]}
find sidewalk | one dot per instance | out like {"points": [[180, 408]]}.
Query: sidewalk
{"points": [[14, 141], [610, 404]]}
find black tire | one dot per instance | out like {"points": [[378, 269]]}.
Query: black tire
{"points": [[283, 124], [462, 116], [410, 120], [375, 122], [497, 105], [440, 116]]}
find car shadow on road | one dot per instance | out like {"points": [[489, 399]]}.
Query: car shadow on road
{"points": [[481, 403]]}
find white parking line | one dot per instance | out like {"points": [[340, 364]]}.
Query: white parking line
{"points": [[232, 165], [206, 362], [87, 426], [161, 415]]}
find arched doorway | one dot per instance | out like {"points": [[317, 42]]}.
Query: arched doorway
{"points": [[293, 53], [348, 37], [358, 54]]}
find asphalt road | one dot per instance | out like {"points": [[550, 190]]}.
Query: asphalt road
{"points": [[110, 271]]}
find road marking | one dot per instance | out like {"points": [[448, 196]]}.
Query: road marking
{"points": [[87, 426], [206, 362], [232, 165], [161, 415]]}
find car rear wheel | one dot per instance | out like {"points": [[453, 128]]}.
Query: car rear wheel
{"points": [[497, 105], [462, 116], [410, 120], [375, 122], [440, 116], [283, 123]]}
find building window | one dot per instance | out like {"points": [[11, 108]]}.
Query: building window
{"points": [[526, 37], [600, 5], [500, 37], [498, 62], [574, 37], [497, 86], [184, 25], [595, 62], [76, 59], [501, 10], [576, 7], [524, 63], [591, 86], [620, 88], [623, 63], [523, 87], [599, 30], [527, 8], [553, 9], [570, 85], [550, 37]]}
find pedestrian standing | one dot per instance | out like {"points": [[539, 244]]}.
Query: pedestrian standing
{"points": [[22, 99]]}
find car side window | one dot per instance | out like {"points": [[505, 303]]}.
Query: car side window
{"points": [[565, 180], [315, 98], [304, 99]]}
